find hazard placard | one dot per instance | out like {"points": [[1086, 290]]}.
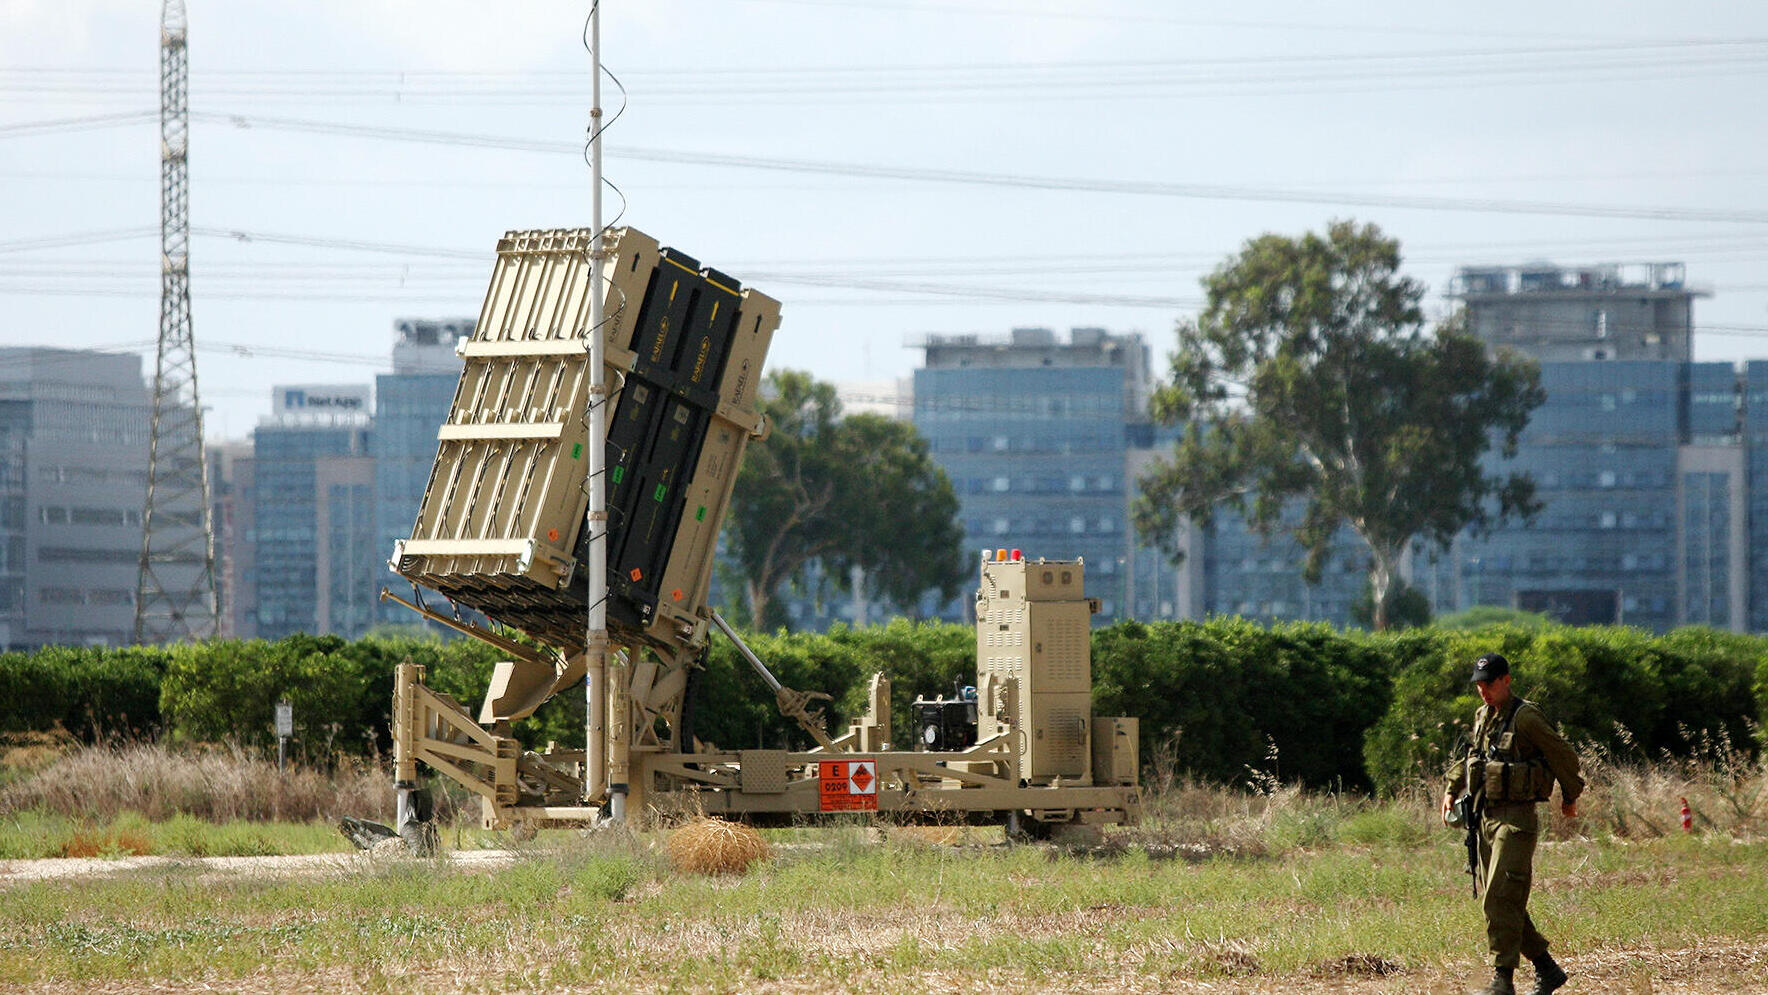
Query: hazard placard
{"points": [[849, 785]]}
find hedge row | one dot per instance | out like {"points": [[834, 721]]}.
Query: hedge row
{"points": [[1220, 699]]}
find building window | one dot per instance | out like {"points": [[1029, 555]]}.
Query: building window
{"points": [[1077, 525], [1606, 520], [1000, 526], [1001, 484], [97, 516], [1605, 479]]}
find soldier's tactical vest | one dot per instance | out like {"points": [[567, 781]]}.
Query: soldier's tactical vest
{"points": [[1514, 768]]}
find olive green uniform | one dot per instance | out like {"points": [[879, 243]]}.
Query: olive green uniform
{"points": [[1517, 754]]}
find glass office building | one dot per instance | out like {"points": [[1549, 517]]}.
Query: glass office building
{"points": [[411, 403], [1035, 434], [1603, 452], [315, 566], [1754, 430], [74, 428], [1260, 578], [1555, 314], [1651, 476]]}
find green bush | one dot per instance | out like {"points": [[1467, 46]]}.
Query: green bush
{"points": [[1227, 699], [228, 689], [91, 692], [1762, 699], [1635, 694], [734, 708]]}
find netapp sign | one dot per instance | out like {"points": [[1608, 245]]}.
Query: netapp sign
{"points": [[322, 399]]}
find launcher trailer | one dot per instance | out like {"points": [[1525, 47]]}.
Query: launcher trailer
{"points": [[501, 532]]}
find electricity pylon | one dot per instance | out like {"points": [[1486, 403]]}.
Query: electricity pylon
{"points": [[175, 589]]}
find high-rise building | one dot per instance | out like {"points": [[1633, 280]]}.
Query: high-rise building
{"points": [[1036, 434], [1246, 574], [1645, 471], [1570, 314], [316, 565], [1650, 468], [1754, 391], [73, 479], [1650, 506], [225, 513], [411, 403], [1603, 451]]}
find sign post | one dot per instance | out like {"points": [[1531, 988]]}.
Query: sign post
{"points": [[285, 727]]}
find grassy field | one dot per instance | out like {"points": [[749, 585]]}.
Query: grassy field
{"points": [[1221, 890], [903, 914]]}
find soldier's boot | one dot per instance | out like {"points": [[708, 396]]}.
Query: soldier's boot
{"points": [[1503, 982], [1549, 976]]}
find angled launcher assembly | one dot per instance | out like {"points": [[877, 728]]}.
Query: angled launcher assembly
{"points": [[501, 532]]}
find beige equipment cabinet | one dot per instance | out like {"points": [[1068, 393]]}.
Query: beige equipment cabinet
{"points": [[1034, 626], [499, 532]]}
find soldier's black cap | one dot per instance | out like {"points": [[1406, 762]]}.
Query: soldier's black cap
{"points": [[1490, 667]]}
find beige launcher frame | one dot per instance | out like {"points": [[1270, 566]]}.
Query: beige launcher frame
{"points": [[1039, 760], [497, 527]]}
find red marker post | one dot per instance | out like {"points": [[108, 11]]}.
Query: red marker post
{"points": [[1687, 818]]}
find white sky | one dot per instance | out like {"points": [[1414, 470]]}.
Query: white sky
{"points": [[1625, 105]]}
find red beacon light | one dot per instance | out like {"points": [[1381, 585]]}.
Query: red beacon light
{"points": [[1017, 556]]}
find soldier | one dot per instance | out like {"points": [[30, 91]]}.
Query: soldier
{"points": [[1515, 756]]}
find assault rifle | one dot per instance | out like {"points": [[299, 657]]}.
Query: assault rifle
{"points": [[1467, 809], [1466, 812]]}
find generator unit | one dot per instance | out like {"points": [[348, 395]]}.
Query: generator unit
{"points": [[501, 531], [945, 723]]}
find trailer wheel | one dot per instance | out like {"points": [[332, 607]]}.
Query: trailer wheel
{"points": [[1030, 830]]}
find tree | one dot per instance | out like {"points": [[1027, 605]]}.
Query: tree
{"points": [[1407, 607], [847, 491], [1310, 379]]}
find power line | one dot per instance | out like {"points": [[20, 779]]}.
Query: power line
{"points": [[309, 179], [1198, 191], [1043, 81], [339, 243], [1069, 12], [77, 123], [1691, 49], [76, 238], [456, 265]]}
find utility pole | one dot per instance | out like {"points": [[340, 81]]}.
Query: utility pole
{"points": [[175, 585], [598, 678]]}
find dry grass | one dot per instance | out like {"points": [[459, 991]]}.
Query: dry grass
{"points": [[714, 846], [218, 784], [1726, 790], [95, 843], [23, 753]]}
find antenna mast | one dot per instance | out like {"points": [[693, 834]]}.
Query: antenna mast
{"points": [[175, 587], [600, 773]]}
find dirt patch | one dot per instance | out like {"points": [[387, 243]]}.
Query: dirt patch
{"points": [[1358, 966], [62, 868], [1724, 969]]}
